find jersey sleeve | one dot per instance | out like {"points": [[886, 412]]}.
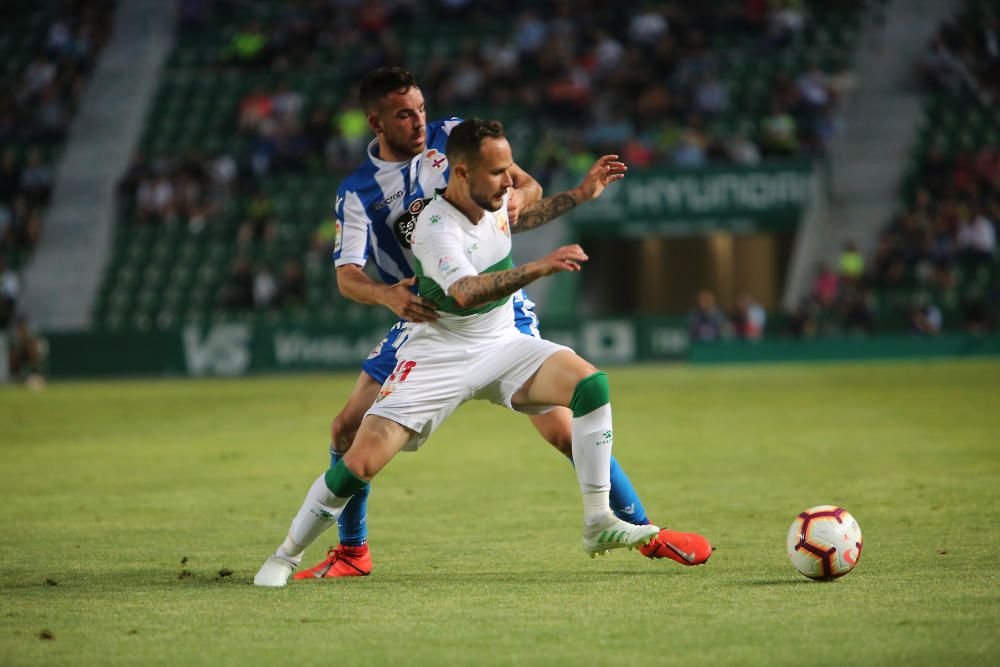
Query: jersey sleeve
{"points": [[442, 258], [352, 230]]}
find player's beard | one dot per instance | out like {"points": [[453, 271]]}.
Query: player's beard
{"points": [[405, 146], [485, 202]]}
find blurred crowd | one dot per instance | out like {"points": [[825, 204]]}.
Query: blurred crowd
{"points": [[649, 83], [656, 85], [964, 56], [36, 106]]}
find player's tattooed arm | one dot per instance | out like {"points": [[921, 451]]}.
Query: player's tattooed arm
{"points": [[473, 291], [543, 210], [606, 170]]}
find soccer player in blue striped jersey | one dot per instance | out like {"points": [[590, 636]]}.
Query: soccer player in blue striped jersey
{"points": [[376, 209]]}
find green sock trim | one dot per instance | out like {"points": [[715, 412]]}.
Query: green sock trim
{"points": [[590, 393], [342, 482]]}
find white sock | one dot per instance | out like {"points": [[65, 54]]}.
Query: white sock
{"points": [[592, 439], [319, 511]]}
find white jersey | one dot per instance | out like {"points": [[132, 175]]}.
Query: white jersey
{"points": [[447, 247], [467, 353]]}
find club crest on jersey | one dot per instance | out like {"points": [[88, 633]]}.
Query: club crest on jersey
{"points": [[502, 223], [436, 160]]}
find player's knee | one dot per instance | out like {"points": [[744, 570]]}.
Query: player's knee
{"points": [[359, 464], [591, 392]]}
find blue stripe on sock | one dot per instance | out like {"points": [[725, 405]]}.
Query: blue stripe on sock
{"points": [[353, 521], [624, 500]]}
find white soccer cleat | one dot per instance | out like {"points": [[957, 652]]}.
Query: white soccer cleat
{"points": [[274, 573], [615, 534]]}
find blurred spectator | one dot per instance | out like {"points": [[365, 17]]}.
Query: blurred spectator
{"points": [[977, 239], [742, 150], [324, 239], [787, 22], [859, 315], [711, 96], [36, 179], [707, 322], [826, 286], [238, 292], [802, 321], [247, 46], [851, 263], [155, 200], [265, 287], [10, 289], [260, 222], [293, 284], [926, 319], [26, 354], [749, 318], [691, 150], [779, 132]]}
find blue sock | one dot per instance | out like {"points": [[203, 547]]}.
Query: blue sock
{"points": [[624, 500], [353, 521]]}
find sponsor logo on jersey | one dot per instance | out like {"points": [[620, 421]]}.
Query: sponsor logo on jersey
{"points": [[403, 227], [446, 265], [382, 203]]}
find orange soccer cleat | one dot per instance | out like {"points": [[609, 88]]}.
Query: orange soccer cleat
{"points": [[340, 562], [685, 548]]}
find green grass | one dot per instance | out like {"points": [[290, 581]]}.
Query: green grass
{"points": [[106, 487]]}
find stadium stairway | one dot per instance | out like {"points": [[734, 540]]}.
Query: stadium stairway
{"points": [[63, 277], [868, 159]]}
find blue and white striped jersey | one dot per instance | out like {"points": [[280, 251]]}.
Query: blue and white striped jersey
{"points": [[378, 204], [374, 203]]}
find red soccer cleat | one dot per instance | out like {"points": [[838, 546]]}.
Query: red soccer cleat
{"points": [[685, 548], [340, 562]]}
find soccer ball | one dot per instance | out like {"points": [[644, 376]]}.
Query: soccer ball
{"points": [[824, 542]]}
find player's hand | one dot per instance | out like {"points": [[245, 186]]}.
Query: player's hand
{"points": [[566, 258], [513, 207], [407, 305], [606, 170]]}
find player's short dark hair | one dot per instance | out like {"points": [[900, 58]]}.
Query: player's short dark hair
{"points": [[380, 82], [466, 138]]}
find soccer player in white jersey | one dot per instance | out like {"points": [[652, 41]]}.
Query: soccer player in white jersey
{"points": [[376, 209], [461, 244]]}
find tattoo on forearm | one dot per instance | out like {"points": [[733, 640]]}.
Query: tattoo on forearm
{"points": [[478, 290], [543, 210]]}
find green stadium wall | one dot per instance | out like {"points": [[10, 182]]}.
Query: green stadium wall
{"points": [[238, 349]]}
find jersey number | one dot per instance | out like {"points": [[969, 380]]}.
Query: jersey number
{"points": [[403, 368]]}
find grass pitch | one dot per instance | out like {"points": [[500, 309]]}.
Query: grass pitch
{"points": [[135, 515]]}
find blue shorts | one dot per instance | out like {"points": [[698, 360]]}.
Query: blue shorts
{"points": [[382, 360]]}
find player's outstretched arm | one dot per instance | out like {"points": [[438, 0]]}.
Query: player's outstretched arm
{"points": [[526, 190], [473, 291], [356, 285], [606, 170]]}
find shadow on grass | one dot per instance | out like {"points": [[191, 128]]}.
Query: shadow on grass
{"points": [[200, 579], [775, 582]]}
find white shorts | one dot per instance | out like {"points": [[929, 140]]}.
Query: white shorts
{"points": [[436, 372]]}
